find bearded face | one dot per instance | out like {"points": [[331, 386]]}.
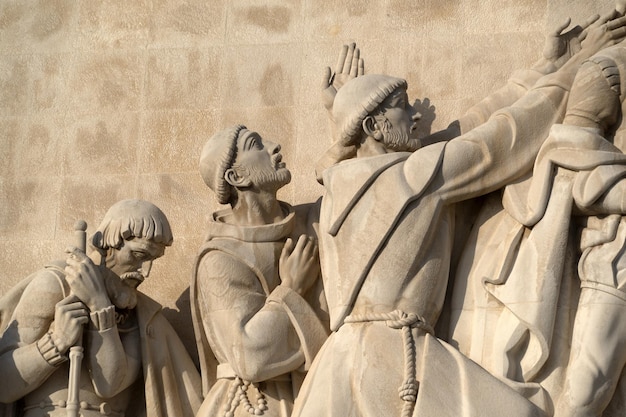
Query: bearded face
{"points": [[396, 124], [260, 162], [397, 138], [270, 178], [129, 266], [122, 290]]}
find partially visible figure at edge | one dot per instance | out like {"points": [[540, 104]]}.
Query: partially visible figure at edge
{"points": [[595, 118], [540, 297], [134, 362]]}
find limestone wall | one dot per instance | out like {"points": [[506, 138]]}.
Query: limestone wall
{"points": [[105, 100]]}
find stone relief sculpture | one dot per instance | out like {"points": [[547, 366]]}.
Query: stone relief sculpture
{"points": [[256, 295], [559, 229], [386, 233], [134, 363], [535, 303], [597, 357]]}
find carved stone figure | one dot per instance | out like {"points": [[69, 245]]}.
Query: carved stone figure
{"points": [[256, 297], [134, 363], [598, 353], [386, 232], [577, 182]]}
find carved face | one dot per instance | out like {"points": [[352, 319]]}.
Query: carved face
{"points": [[261, 162], [396, 123], [132, 261]]}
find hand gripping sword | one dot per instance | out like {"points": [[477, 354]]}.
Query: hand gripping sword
{"points": [[76, 351]]}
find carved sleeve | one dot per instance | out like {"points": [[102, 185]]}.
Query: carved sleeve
{"points": [[611, 202], [104, 348], [27, 355], [503, 149], [513, 90], [253, 333]]}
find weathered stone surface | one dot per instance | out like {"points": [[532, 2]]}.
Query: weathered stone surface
{"points": [[182, 79], [107, 100]]}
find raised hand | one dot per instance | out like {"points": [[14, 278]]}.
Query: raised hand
{"points": [[606, 31], [560, 46], [85, 280], [70, 315], [299, 264], [349, 65]]}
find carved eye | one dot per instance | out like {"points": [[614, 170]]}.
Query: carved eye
{"points": [[253, 142], [141, 256]]}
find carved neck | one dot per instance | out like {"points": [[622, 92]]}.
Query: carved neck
{"points": [[256, 208], [370, 147]]}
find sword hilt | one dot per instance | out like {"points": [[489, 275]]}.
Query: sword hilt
{"points": [[80, 235]]}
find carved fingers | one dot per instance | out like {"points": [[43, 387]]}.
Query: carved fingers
{"points": [[328, 90], [559, 30], [349, 65], [299, 264], [616, 28], [561, 45], [285, 264], [590, 21], [556, 45], [350, 62], [605, 32], [342, 57], [70, 315], [85, 280], [308, 247]]}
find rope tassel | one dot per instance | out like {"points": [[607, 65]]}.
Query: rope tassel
{"points": [[398, 319]]}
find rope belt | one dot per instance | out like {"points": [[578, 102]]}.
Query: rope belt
{"points": [[398, 319]]}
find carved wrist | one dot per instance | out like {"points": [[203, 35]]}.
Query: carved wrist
{"points": [[103, 319], [544, 66], [280, 293], [49, 350]]}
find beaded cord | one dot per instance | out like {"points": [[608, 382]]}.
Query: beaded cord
{"points": [[238, 395], [398, 319]]}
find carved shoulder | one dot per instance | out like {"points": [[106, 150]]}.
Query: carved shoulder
{"points": [[223, 279], [217, 264], [35, 311]]}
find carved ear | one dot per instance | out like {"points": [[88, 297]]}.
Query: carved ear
{"points": [[371, 128], [238, 181]]}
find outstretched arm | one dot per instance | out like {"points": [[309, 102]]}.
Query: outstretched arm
{"points": [[501, 150], [560, 46]]}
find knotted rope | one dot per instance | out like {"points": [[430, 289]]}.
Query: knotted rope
{"points": [[398, 319]]}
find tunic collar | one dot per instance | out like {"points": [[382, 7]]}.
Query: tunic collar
{"points": [[265, 233]]}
